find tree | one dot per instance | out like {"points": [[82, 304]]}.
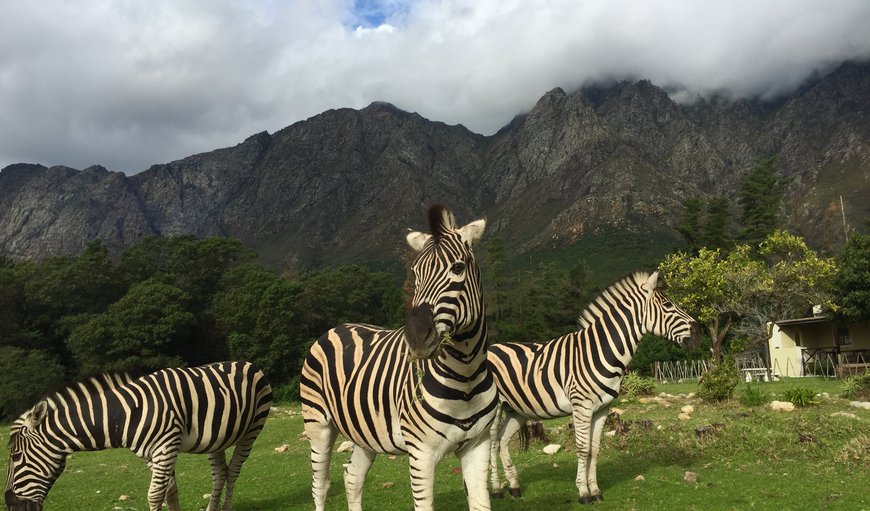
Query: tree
{"points": [[851, 286], [760, 196], [690, 223], [144, 330], [714, 233], [713, 287], [795, 280], [777, 280], [28, 375]]}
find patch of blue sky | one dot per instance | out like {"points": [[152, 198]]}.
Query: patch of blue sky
{"points": [[374, 13]]}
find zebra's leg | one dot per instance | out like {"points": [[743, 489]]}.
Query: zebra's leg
{"points": [[162, 466], [582, 420], [322, 436], [240, 453], [172, 495], [475, 461], [218, 461], [422, 464], [355, 476], [598, 420], [512, 424], [494, 434]]}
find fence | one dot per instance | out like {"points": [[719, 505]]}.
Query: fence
{"points": [[678, 371]]}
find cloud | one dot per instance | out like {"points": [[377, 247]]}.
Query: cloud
{"points": [[127, 84]]}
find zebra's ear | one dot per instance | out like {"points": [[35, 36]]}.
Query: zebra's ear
{"points": [[652, 283], [417, 239], [36, 414], [472, 232]]}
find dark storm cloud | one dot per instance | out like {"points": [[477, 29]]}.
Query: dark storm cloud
{"points": [[129, 83]]}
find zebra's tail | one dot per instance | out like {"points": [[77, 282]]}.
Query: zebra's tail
{"points": [[525, 436]]}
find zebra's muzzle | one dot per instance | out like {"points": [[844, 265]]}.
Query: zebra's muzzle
{"points": [[420, 332], [14, 503]]}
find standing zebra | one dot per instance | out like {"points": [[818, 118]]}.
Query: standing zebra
{"points": [[579, 374], [423, 389], [200, 410]]}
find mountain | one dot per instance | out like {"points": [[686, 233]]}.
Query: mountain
{"points": [[598, 173]]}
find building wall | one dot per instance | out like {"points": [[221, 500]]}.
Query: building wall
{"points": [[785, 354], [788, 342]]}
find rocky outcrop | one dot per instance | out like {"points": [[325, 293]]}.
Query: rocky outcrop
{"points": [[343, 185]]}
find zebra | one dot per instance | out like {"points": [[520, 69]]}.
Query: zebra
{"points": [[579, 374], [198, 410], [423, 389]]}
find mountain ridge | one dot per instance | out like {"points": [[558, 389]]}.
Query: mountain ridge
{"points": [[341, 186]]}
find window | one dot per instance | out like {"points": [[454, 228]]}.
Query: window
{"points": [[843, 337]]}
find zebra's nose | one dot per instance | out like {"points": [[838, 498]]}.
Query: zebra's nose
{"points": [[420, 330], [14, 503], [696, 331]]}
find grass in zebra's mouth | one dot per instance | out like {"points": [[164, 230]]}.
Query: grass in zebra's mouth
{"points": [[420, 366]]}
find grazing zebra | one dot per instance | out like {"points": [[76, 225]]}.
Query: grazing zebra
{"points": [[579, 374], [423, 389], [199, 410]]}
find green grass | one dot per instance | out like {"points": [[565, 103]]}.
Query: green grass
{"points": [[759, 459]]}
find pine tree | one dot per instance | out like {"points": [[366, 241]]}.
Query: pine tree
{"points": [[690, 223], [715, 229], [760, 196]]}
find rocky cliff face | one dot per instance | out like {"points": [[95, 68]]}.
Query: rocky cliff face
{"points": [[343, 185]]}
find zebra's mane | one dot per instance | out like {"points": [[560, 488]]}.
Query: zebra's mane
{"points": [[89, 387], [441, 220], [596, 307]]}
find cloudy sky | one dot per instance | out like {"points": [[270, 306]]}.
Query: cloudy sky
{"points": [[129, 83]]}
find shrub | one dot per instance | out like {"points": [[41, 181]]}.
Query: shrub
{"points": [[718, 383], [634, 386], [753, 395], [800, 396], [856, 387]]}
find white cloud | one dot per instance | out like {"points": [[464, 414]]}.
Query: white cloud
{"points": [[128, 83]]}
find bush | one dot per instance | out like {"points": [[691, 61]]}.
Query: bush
{"points": [[754, 395], [800, 396], [634, 386], [719, 382], [856, 387]]}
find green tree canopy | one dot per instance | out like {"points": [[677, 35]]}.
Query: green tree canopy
{"points": [[851, 286], [776, 280], [144, 330]]}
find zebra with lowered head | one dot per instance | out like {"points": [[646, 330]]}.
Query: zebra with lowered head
{"points": [[579, 374], [202, 410], [423, 389]]}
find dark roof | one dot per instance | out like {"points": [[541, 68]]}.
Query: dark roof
{"points": [[803, 321]]}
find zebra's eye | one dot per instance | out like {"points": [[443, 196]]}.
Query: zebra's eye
{"points": [[457, 268], [16, 456]]}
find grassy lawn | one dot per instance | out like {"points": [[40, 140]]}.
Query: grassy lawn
{"points": [[757, 458]]}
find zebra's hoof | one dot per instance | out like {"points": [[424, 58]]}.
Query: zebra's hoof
{"points": [[586, 499], [597, 498], [497, 495], [515, 492]]}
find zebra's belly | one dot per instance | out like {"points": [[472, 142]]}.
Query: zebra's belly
{"points": [[378, 432], [550, 404]]}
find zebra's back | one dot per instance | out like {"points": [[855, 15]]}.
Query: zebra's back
{"points": [[532, 378], [212, 406]]}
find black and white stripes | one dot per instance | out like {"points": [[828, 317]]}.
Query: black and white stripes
{"points": [[579, 374], [423, 389], [198, 410]]}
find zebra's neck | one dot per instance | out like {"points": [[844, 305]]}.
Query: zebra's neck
{"points": [[613, 338], [467, 356]]}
